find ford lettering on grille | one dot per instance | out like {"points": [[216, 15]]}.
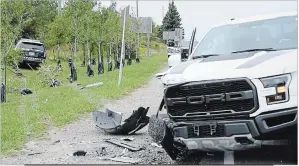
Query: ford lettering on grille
{"points": [[213, 98], [206, 99]]}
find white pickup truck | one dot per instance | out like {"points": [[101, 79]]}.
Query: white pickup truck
{"points": [[237, 90]]}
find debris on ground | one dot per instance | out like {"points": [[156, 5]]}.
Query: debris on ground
{"points": [[3, 91], [124, 159], [54, 83], [16, 72], [90, 72], [101, 65], [127, 139], [125, 152], [92, 85], [156, 145], [26, 91], [59, 66], [79, 153], [110, 121], [31, 154], [160, 151], [137, 60], [73, 76], [110, 66], [129, 62], [102, 151], [55, 142], [125, 145]]}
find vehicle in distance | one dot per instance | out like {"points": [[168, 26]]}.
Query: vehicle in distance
{"points": [[236, 91], [33, 51], [178, 54]]}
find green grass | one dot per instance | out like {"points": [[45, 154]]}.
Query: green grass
{"points": [[65, 103]]}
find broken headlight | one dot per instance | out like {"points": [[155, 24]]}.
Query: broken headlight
{"points": [[281, 85]]}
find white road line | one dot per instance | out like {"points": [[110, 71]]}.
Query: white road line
{"points": [[228, 157]]}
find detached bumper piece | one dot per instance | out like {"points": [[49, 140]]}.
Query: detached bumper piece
{"points": [[110, 121]]}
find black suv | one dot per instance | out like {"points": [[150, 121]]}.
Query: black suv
{"points": [[34, 51]]}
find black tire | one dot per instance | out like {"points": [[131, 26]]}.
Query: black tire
{"points": [[292, 150], [191, 158], [156, 127]]}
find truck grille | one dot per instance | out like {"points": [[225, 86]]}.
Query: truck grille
{"points": [[211, 98]]}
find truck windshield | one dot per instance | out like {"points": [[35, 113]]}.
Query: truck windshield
{"points": [[32, 46], [277, 34]]}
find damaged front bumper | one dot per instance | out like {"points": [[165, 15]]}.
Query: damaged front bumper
{"points": [[111, 122], [182, 137]]}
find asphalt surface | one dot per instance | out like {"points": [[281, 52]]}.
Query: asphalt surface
{"points": [[84, 135]]}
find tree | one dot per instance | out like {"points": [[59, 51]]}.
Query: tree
{"points": [[13, 16], [112, 6], [36, 24], [171, 20], [78, 24]]}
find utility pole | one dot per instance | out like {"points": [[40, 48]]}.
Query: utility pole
{"points": [[59, 7], [3, 66], [122, 53], [137, 7], [137, 47], [59, 13], [76, 34]]}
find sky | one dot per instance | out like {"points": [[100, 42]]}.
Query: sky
{"points": [[205, 14]]}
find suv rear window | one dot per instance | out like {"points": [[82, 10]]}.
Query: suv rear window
{"points": [[32, 46]]}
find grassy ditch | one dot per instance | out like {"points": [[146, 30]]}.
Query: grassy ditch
{"points": [[25, 117]]}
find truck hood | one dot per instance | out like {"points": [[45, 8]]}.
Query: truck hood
{"points": [[251, 65]]}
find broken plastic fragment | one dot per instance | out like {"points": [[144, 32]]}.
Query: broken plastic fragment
{"points": [[127, 139], [102, 151], [125, 145], [156, 145], [110, 121], [26, 91], [79, 153], [126, 160], [92, 85]]}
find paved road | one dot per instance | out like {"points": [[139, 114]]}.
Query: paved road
{"points": [[83, 135]]}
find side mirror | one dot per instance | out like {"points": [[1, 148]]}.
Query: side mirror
{"points": [[159, 75]]}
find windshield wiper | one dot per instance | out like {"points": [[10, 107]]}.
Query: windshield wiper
{"points": [[255, 49], [204, 56]]}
